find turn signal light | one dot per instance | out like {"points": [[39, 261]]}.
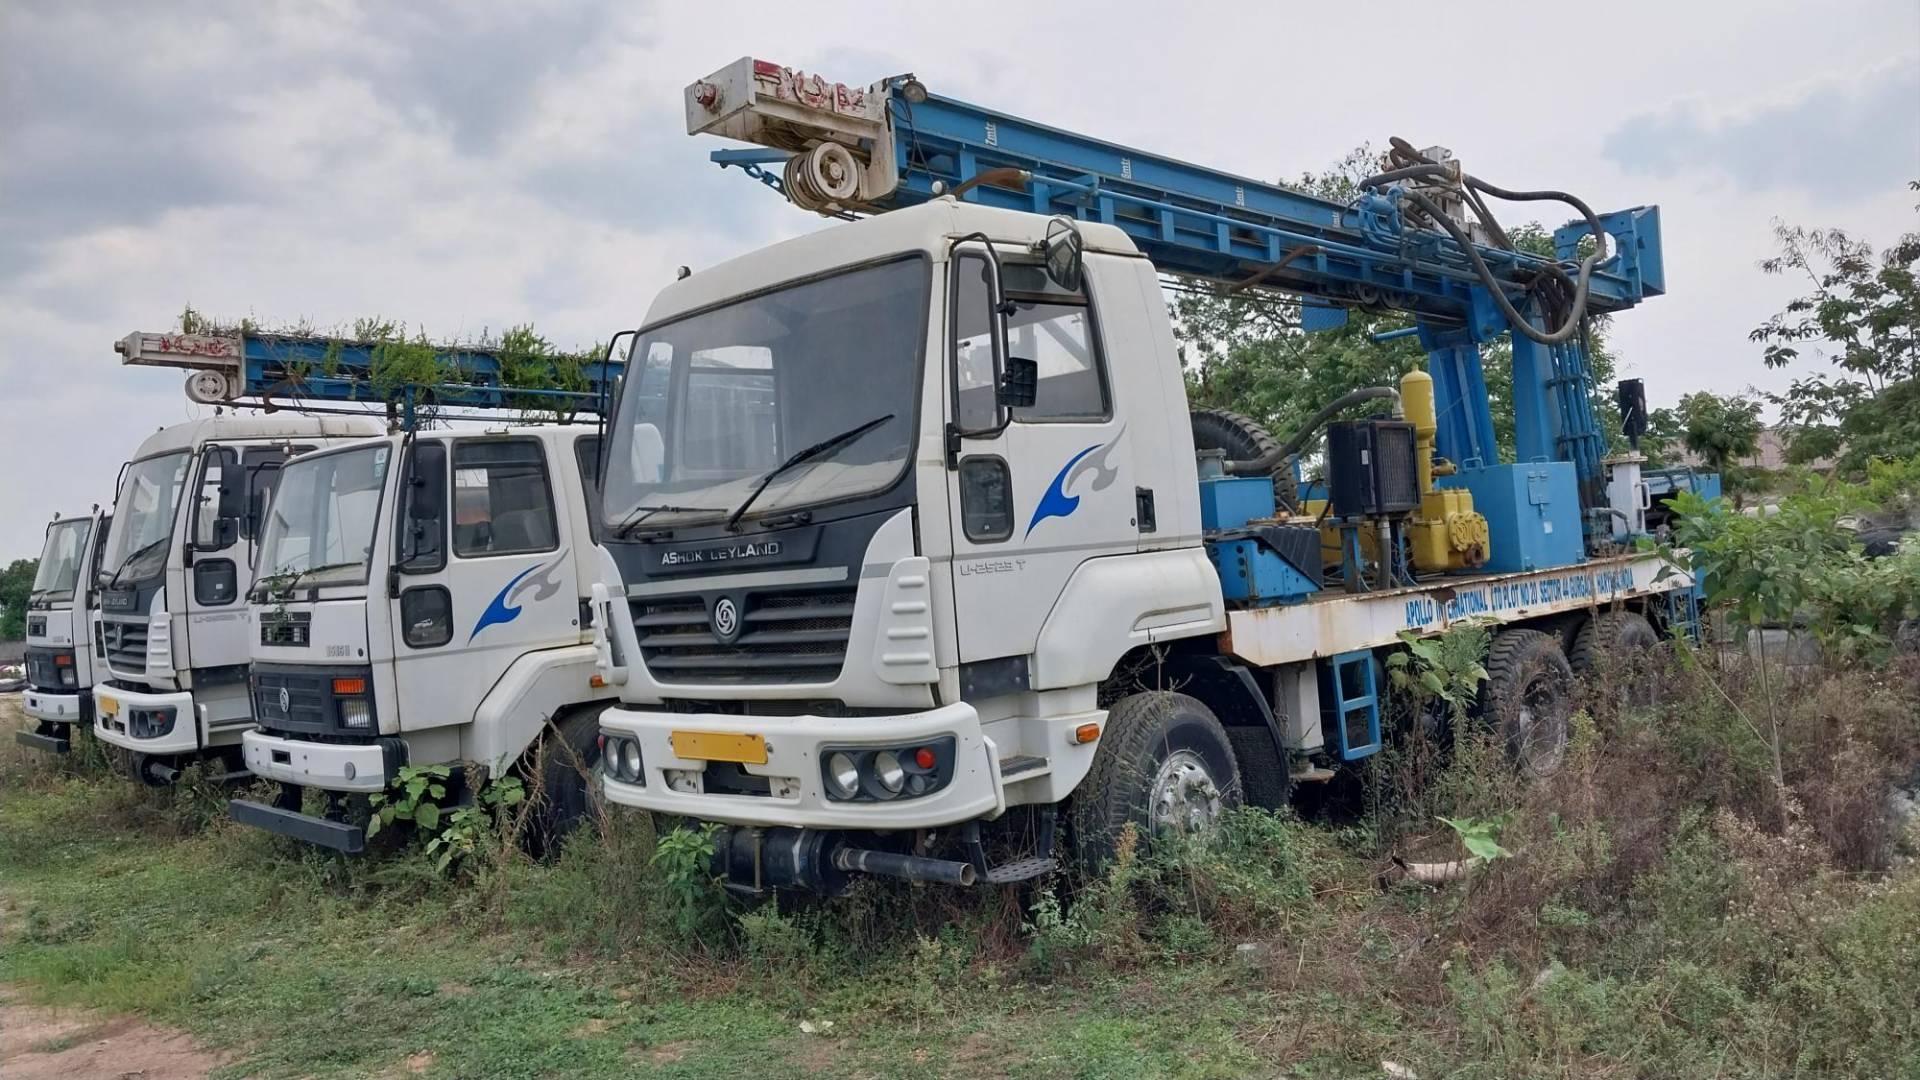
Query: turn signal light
{"points": [[1086, 733], [596, 682], [349, 686], [64, 660]]}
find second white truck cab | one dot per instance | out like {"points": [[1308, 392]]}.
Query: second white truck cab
{"points": [[173, 633], [422, 600], [60, 656]]}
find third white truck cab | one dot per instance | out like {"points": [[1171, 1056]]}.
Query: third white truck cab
{"points": [[173, 633], [60, 655], [421, 601]]}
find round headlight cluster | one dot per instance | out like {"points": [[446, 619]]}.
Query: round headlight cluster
{"points": [[876, 774], [620, 759]]}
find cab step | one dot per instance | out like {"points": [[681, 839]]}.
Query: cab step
{"points": [[1024, 767], [1020, 870], [1313, 774]]}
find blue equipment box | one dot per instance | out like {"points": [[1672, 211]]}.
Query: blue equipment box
{"points": [[1532, 512], [1228, 502]]}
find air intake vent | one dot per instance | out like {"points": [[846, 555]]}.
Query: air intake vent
{"points": [[785, 636], [125, 644]]}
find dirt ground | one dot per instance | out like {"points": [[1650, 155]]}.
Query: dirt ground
{"points": [[59, 1044]]}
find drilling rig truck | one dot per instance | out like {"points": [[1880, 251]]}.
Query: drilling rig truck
{"points": [[914, 556]]}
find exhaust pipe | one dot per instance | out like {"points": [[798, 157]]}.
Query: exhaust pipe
{"points": [[911, 867]]}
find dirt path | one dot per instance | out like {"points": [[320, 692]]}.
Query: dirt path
{"points": [[68, 1044]]}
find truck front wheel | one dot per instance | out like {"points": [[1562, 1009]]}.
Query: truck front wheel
{"points": [[1528, 698], [567, 761], [1164, 766]]}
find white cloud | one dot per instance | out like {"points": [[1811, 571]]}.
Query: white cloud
{"points": [[468, 166]]}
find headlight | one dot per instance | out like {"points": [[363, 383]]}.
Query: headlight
{"points": [[356, 713], [843, 775], [887, 770], [630, 761]]}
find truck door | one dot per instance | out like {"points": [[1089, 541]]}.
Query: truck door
{"points": [[482, 573], [1053, 487], [234, 486]]}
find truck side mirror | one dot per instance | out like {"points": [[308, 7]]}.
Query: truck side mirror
{"points": [[1065, 251], [1019, 383]]}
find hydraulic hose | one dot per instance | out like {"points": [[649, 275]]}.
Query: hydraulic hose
{"points": [[1570, 302], [1271, 460]]}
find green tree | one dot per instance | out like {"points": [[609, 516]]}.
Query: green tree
{"points": [[16, 584], [1863, 317], [1720, 431], [1246, 351]]}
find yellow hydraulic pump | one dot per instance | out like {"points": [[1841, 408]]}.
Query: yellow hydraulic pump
{"points": [[1445, 533]]}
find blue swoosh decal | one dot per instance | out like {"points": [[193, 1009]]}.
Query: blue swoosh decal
{"points": [[498, 611], [1056, 502]]}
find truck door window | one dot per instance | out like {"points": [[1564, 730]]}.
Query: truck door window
{"points": [[1049, 326], [502, 502], [212, 531]]}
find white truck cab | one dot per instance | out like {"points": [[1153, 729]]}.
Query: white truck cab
{"points": [[421, 600], [172, 638], [60, 657]]}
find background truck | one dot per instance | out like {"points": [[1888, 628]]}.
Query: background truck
{"points": [[909, 528], [60, 656], [419, 598], [453, 629], [172, 638]]}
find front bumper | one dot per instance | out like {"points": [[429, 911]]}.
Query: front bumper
{"points": [[113, 708], [341, 837], [359, 767], [55, 708], [798, 791]]}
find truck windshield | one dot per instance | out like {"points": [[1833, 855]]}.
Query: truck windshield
{"points": [[143, 517], [320, 527], [60, 559], [716, 401]]}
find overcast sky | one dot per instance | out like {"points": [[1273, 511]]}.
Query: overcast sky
{"points": [[465, 166]]}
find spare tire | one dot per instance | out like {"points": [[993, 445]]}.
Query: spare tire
{"points": [[1242, 438]]}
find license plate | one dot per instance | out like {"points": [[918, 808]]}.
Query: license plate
{"points": [[106, 705], [719, 746]]}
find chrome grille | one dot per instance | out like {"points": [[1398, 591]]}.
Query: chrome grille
{"points": [[786, 636], [306, 698], [125, 644]]}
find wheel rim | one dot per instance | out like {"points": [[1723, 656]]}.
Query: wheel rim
{"points": [[1185, 798], [1539, 731]]}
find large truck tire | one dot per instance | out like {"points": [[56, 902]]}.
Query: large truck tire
{"points": [[1164, 764], [1619, 645], [1265, 777], [1528, 698], [568, 762], [1242, 438]]}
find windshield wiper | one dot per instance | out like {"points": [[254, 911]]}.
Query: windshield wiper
{"points": [[138, 553], [642, 512], [832, 442]]}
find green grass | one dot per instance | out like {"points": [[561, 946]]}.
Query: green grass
{"points": [[1653, 924]]}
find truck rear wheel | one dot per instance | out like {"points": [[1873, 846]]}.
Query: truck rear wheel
{"points": [[567, 761], [1528, 698], [1164, 765], [1620, 646]]}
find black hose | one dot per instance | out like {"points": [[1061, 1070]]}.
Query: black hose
{"points": [[1577, 305], [1269, 461]]}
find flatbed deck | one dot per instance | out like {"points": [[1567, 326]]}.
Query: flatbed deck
{"points": [[1334, 622]]}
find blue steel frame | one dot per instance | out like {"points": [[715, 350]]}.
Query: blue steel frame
{"points": [[1195, 222], [312, 369]]}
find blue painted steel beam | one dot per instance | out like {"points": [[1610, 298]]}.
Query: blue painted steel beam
{"points": [[289, 367]]}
